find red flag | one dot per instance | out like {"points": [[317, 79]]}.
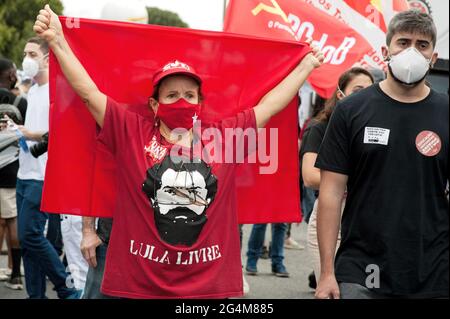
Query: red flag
{"points": [[298, 20], [122, 58], [378, 12]]}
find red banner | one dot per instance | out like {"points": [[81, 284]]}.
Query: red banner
{"points": [[378, 12], [122, 58], [298, 20]]}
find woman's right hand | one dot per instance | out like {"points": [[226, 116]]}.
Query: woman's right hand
{"points": [[47, 25]]}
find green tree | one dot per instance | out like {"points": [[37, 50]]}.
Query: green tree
{"points": [[16, 24], [163, 17]]}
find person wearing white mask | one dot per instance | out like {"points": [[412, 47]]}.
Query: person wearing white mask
{"points": [[39, 255], [388, 145]]}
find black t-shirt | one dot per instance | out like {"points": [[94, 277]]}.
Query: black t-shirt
{"points": [[104, 227], [396, 216], [312, 139], [8, 174]]}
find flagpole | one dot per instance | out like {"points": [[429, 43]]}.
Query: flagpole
{"points": [[224, 11]]}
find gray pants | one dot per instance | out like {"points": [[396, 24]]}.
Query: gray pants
{"points": [[356, 291], [95, 276]]}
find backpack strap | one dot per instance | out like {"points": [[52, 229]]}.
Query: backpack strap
{"points": [[17, 101]]}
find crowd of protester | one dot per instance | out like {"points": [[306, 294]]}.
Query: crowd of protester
{"points": [[373, 187]]}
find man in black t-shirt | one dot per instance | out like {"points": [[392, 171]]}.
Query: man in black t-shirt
{"points": [[388, 144], [8, 175]]}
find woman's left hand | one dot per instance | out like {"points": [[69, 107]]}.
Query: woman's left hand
{"points": [[314, 59]]}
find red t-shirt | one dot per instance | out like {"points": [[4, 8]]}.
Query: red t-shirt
{"points": [[162, 245]]}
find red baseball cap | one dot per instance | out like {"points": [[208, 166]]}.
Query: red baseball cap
{"points": [[175, 67]]}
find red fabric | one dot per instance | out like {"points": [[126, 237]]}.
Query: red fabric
{"points": [[81, 175], [178, 258], [298, 20], [367, 9], [372, 9], [302, 130], [178, 114]]}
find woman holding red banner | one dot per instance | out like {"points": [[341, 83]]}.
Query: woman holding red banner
{"points": [[174, 233]]}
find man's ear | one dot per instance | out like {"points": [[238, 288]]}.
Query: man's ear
{"points": [[385, 52], [153, 104], [13, 76], [434, 59], [340, 96], [47, 60]]}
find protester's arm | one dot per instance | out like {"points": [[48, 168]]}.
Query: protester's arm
{"points": [[280, 96], [29, 135], [90, 241], [48, 27], [332, 189], [310, 173]]}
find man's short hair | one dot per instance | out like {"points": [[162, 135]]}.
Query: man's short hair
{"points": [[412, 21], [5, 66], [43, 45]]}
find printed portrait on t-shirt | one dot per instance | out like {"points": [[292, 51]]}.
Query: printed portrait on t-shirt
{"points": [[180, 193]]}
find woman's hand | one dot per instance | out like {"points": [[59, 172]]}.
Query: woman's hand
{"points": [[280, 96], [48, 26], [314, 59]]}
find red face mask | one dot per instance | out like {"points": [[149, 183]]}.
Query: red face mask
{"points": [[179, 114]]}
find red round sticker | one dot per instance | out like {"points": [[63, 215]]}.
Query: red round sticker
{"points": [[428, 143]]}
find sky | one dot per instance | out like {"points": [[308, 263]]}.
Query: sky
{"points": [[199, 14]]}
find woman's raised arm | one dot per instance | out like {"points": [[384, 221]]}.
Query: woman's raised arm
{"points": [[280, 96], [48, 27]]}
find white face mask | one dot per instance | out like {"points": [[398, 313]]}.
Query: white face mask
{"points": [[409, 66], [30, 67]]}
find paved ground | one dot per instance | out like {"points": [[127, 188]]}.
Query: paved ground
{"points": [[263, 286]]}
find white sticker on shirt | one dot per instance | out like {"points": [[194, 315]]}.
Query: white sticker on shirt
{"points": [[376, 135]]}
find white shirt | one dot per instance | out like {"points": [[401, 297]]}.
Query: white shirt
{"points": [[305, 110], [36, 120]]}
